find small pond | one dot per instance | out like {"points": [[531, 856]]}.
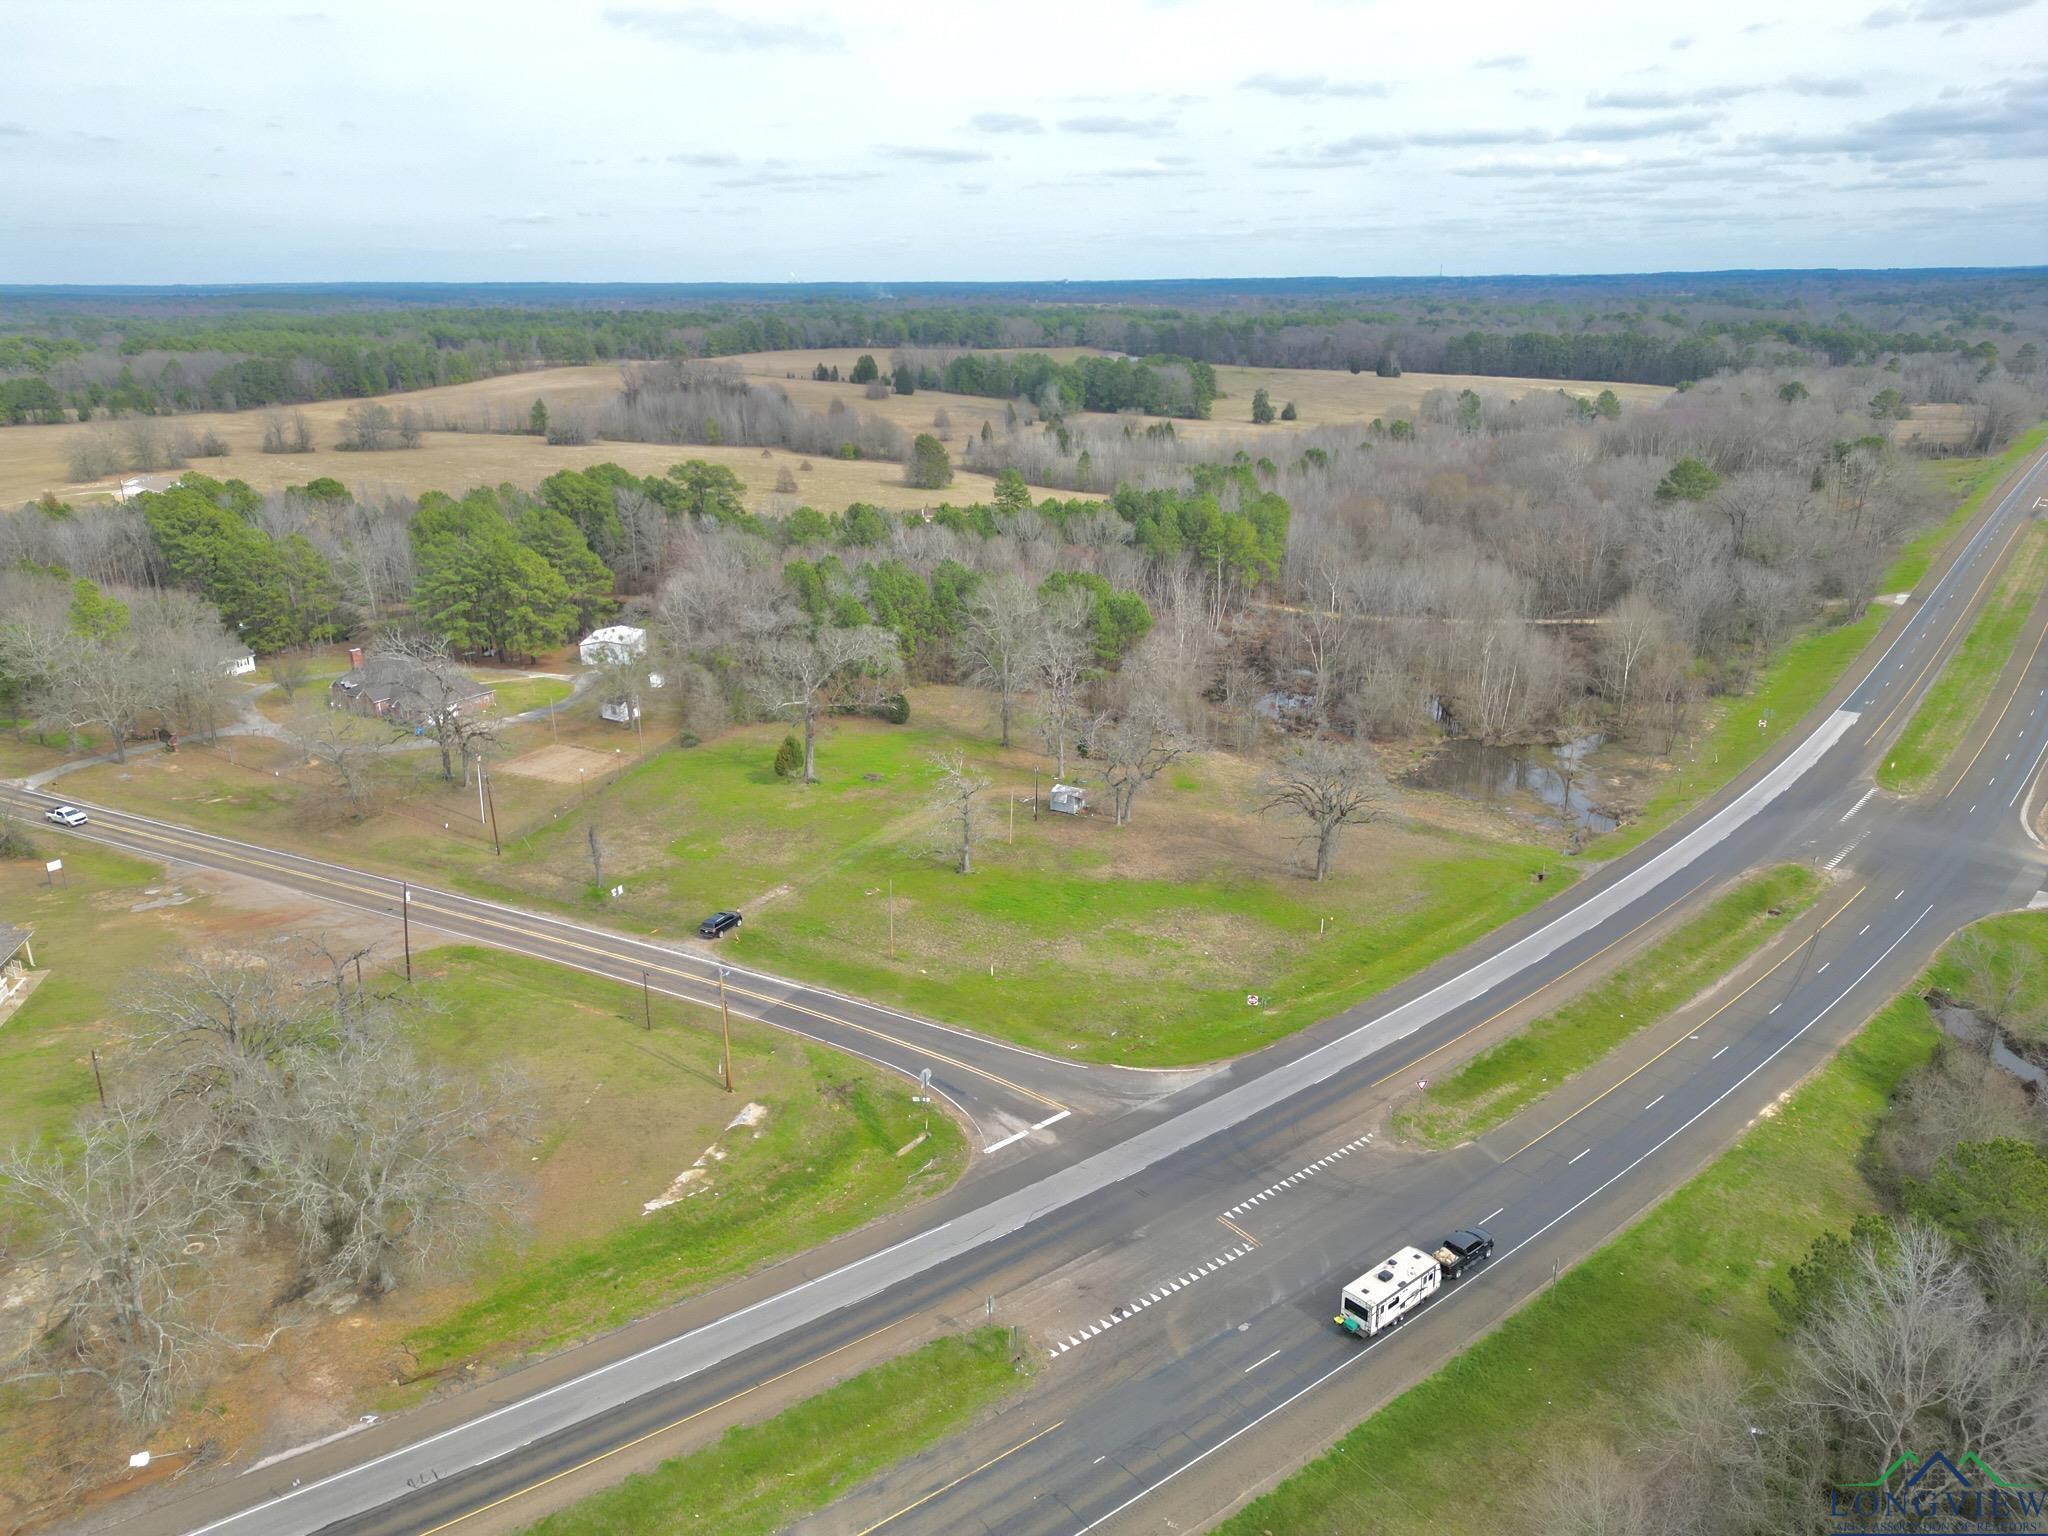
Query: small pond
{"points": [[1475, 770]]}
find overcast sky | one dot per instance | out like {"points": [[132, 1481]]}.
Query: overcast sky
{"points": [[208, 141]]}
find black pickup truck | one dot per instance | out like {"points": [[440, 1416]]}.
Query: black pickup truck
{"points": [[1462, 1250]]}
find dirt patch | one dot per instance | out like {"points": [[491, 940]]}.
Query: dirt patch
{"points": [[692, 1179], [561, 764]]}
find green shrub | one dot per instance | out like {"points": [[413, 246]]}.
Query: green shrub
{"points": [[789, 758], [895, 709]]}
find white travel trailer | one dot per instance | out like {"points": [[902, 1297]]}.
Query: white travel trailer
{"points": [[1389, 1291]]}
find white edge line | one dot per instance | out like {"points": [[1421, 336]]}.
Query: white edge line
{"points": [[1344, 1365], [997, 1146], [546, 1392]]}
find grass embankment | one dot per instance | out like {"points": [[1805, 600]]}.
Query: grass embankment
{"points": [[1572, 1364], [1962, 689], [625, 1111], [1536, 1060], [761, 1477], [1803, 671]]}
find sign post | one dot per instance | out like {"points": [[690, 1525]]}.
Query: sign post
{"points": [[405, 918], [52, 870]]}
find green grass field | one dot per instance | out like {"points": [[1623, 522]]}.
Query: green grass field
{"points": [[621, 1110], [1803, 671], [627, 1110], [514, 695], [1572, 1363], [1961, 690], [759, 1478], [1541, 1057], [1137, 944], [93, 947]]}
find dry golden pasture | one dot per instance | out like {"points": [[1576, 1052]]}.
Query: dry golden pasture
{"points": [[35, 459], [1323, 396]]}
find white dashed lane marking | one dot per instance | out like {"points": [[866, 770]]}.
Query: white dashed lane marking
{"points": [[1298, 1175], [1131, 1309]]}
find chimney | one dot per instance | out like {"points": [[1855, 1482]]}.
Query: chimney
{"points": [[355, 657]]}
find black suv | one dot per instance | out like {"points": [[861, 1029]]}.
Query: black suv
{"points": [[718, 925]]}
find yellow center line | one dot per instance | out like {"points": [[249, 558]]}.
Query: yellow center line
{"points": [[1537, 992], [218, 853], [1240, 1231], [2013, 699], [484, 1509], [1961, 614], [906, 1509], [1691, 1030]]}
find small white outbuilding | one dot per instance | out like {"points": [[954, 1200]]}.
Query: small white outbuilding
{"points": [[613, 643], [1067, 799]]}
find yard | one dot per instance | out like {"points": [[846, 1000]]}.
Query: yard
{"points": [[626, 1115]]}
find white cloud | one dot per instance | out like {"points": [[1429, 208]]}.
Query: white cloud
{"points": [[715, 139]]}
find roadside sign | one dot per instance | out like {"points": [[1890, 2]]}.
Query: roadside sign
{"points": [[924, 1087], [53, 866]]}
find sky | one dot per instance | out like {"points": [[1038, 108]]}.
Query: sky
{"points": [[647, 141]]}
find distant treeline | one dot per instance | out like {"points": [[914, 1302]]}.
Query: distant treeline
{"points": [[65, 353]]}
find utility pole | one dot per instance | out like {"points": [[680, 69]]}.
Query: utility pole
{"points": [[892, 917], [97, 1080], [1013, 818], [479, 789], [491, 799], [646, 1002], [405, 918], [725, 1020], [1034, 794]]}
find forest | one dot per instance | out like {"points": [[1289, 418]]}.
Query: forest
{"points": [[1511, 569], [70, 353]]}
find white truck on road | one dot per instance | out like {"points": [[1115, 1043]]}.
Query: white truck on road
{"points": [[1388, 1292]]}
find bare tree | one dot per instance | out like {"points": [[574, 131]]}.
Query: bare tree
{"points": [[1329, 785], [1593, 1492], [996, 640], [368, 428], [1635, 630], [957, 799], [346, 746], [1897, 1354], [383, 1160], [288, 670], [801, 676], [1062, 660], [1997, 980], [431, 690], [1134, 748], [122, 1226]]}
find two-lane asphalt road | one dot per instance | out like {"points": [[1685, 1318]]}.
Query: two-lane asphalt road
{"points": [[1146, 1163]]}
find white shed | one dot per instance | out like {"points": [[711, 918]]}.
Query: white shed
{"points": [[238, 666], [1067, 799], [615, 642]]}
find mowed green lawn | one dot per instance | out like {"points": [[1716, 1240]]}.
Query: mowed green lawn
{"points": [[1544, 1055], [1953, 701], [758, 1478], [1138, 944], [625, 1110]]}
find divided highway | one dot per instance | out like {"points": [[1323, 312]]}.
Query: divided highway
{"points": [[1231, 1186]]}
